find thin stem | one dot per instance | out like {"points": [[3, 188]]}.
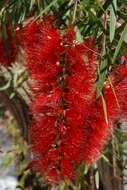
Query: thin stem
{"points": [[74, 12], [104, 36]]}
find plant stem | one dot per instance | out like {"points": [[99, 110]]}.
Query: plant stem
{"points": [[74, 12]]}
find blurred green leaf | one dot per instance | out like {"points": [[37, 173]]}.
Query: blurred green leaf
{"points": [[8, 159], [119, 44], [105, 158], [15, 78], [62, 186], [32, 4], [12, 95], [79, 37], [47, 8], [97, 181], [102, 73], [86, 169], [113, 8], [4, 31], [104, 108]]}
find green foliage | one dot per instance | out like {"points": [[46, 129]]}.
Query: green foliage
{"points": [[113, 9]]}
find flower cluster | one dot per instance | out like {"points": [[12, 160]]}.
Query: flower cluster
{"points": [[68, 125], [116, 93]]}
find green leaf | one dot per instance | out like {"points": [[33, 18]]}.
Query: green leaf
{"points": [[22, 17], [32, 4], [25, 76], [119, 44], [99, 3], [112, 20], [104, 108], [79, 37], [8, 159], [125, 38], [97, 179], [12, 95], [47, 8], [102, 73], [105, 158], [86, 169], [4, 31], [62, 186]]}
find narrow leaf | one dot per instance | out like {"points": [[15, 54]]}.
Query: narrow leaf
{"points": [[119, 44], [112, 20], [79, 37], [125, 38], [105, 158], [4, 31], [97, 179], [86, 169], [47, 8], [102, 74], [32, 4], [8, 159], [104, 108], [62, 186]]}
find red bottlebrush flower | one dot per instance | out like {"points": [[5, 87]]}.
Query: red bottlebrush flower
{"points": [[69, 125], [76, 108], [81, 78], [66, 168], [9, 47], [52, 175], [82, 68], [111, 102], [97, 131], [70, 36], [43, 134], [47, 104], [63, 135], [116, 93], [40, 41], [73, 144]]}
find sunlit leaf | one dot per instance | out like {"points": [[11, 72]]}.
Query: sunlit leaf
{"points": [[86, 169], [102, 73], [8, 159], [31, 4], [79, 37], [113, 8], [105, 158], [97, 181], [104, 108]]}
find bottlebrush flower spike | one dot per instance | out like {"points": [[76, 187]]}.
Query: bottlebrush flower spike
{"points": [[9, 48], [83, 110], [68, 125]]}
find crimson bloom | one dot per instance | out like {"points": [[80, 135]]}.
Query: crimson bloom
{"points": [[69, 125]]}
